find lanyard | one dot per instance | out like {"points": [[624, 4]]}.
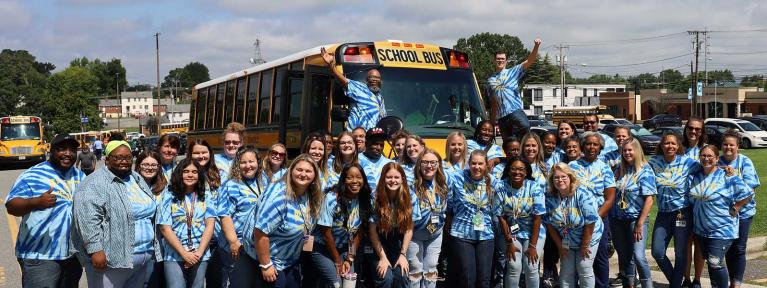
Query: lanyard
{"points": [[251, 188], [516, 206], [565, 205], [189, 213], [306, 217], [625, 181]]}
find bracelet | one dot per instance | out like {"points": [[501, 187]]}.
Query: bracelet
{"points": [[532, 244], [266, 266], [403, 254]]}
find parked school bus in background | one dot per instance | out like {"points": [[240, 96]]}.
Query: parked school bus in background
{"points": [[21, 140], [432, 89]]}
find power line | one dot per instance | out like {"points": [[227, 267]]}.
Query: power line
{"points": [[627, 41], [642, 63], [740, 53]]}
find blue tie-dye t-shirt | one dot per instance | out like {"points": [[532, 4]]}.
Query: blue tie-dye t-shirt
{"points": [[366, 107], [569, 217], [505, 85], [468, 198], [520, 205], [342, 225], [44, 233], [744, 167], [173, 213], [631, 190], [285, 221], [431, 203], [671, 180], [493, 152], [237, 200], [692, 152], [373, 168], [594, 177], [224, 164], [711, 197], [144, 208], [264, 180]]}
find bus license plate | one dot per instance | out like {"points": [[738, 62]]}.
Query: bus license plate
{"points": [[22, 157]]}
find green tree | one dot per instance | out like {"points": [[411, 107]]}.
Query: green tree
{"points": [[186, 77], [108, 74], [481, 49], [542, 72], [753, 81], [21, 81], [196, 73], [72, 93]]}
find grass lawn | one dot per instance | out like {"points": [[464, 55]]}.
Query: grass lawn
{"points": [[759, 223]]}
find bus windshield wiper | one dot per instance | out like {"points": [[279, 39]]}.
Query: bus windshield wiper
{"points": [[449, 125]]}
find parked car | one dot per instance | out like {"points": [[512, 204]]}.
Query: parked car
{"points": [[662, 120], [714, 134], [648, 140], [751, 135], [761, 122], [542, 130], [617, 121], [660, 131], [539, 123]]}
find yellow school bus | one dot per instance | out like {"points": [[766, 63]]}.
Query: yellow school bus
{"points": [[177, 128], [86, 139], [21, 140], [432, 89], [576, 114]]}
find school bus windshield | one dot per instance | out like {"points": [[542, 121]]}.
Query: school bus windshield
{"points": [[430, 102], [26, 131]]}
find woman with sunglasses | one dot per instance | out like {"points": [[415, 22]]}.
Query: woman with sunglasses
{"points": [[341, 226], [391, 228], [236, 202], [484, 139], [693, 140], [431, 190], [520, 205], [672, 168], [414, 146], [186, 220], [716, 202], [472, 224], [232, 139], [573, 222], [738, 164], [272, 167], [283, 222], [628, 217]]}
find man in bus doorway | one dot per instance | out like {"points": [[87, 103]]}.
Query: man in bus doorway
{"points": [[506, 103], [367, 106]]}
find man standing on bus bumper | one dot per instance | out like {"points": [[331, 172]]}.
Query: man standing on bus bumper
{"points": [[42, 196], [367, 106], [506, 102]]}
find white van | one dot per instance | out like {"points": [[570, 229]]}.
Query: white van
{"points": [[751, 135]]}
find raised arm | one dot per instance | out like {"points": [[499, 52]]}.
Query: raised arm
{"points": [[331, 61], [533, 54]]}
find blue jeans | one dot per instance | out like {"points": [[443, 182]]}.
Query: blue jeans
{"points": [[602, 258], [240, 273], [137, 276], [499, 254], [573, 263], [736, 256], [325, 268], [157, 276], [422, 256], [50, 273], [514, 124], [214, 274], [714, 251], [287, 278], [631, 254], [664, 229], [514, 268], [392, 245], [179, 277], [473, 260]]}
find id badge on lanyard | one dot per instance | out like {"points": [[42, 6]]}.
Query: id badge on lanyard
{"points": [[680, 222]]}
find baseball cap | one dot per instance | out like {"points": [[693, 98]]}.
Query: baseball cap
{"points": [[64, 139], [376, 134]]}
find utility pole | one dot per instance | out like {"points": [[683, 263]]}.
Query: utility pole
{"points": [[562, 70], [157, 53], [119, 99], [696, 45]]}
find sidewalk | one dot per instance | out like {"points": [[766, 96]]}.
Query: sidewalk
{"points": [[755, 249]]}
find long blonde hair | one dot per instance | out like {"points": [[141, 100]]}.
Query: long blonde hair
{"points": [[439, 182], [266, 167], [447, 148], [570, 174], [314, 191], [486, 176], [405, 159], [539, 161], [639, 158]]}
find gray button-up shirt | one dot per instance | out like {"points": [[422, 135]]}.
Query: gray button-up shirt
{"points": [[103, 218]]}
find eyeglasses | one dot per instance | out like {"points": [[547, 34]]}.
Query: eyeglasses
{"points": [[127, 159], [429, 163], [227, 142], [275, 154], [149, 166], [560, 178]]}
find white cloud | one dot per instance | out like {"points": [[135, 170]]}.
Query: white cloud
{"points": [[13, 15]]}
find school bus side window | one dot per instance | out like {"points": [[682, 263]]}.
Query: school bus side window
{"points": [[252, 98], [229, 104], [239, 105], [263, 102], [219, 105], [276, 100], [209, 123]]}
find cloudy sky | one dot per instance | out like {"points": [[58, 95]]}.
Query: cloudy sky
{"points": [[604, 36]]}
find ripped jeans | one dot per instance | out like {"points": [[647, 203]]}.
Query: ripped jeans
{"points": [[714, 251], [422, 256]]}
